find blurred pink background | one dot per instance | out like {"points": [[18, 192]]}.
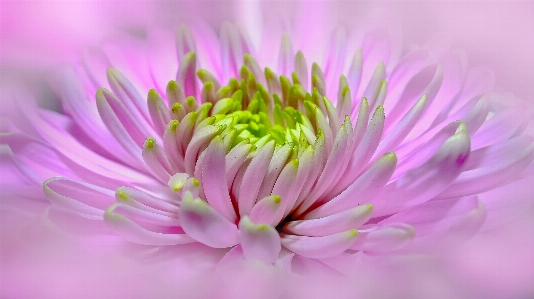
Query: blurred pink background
{"points": [[35, 34]]}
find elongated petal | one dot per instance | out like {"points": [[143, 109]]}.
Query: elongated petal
{"points": [[128, 95], [393, 139], [214, 179], [125, 130], [426, 181], [186, 74], [285, 58], [320, 247], [439, 223], [199, 139], [267, 209], [133, 232], [156, 160], [78, 196], [206, 225], [259, 241], [158, 112], [365, 188], [279, 159], [384, 239], [488, 177], [142, 200], [253, 177], [343, 221]]}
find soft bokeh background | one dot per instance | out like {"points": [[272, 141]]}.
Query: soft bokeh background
{"points": [[36, 36]]}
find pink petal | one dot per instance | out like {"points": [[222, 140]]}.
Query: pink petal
{"points": [[285, 58], [302, 69], [426, 181], [156, 160], [186, 76], [489, 177], [133, 232], [124, 126], [200, 138], [185, 42], [128, 95], [366, 187], [355, 72], [328, 225], [78, 196], [320, 247], [159, 113], [259, 241], [267, 210], [253, 177], [214, 179], [384, 239], [278, 161], [206, 225]]}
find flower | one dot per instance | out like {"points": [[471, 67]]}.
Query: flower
{"points": [[305, 169]]}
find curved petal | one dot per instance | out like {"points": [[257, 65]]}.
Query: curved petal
{"points": [[385, 239], [214, 179], [133, 232], [366, 187], [78, 196], [206, 225], [346, 220], [267, 210], [253, 177], [259, 241], [320, 247], [426, 181]]}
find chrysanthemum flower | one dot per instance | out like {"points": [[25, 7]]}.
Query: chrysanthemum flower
{"points": [[292, 164]]}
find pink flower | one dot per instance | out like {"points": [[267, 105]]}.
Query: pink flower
{"points": [[371, 152]]}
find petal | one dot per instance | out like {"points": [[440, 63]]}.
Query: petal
{"points": [[371, 92], [285, 58], [159, 113], [235, 159], [489, 177], [171, 147], [214, 179], [301, 69], [267, 210], [320, 247], [156, 160], [426, 181], [78, 196], [366, 187], [427, 81], [279, 159], [343, 221], [253, 177], [186, 76], [355, 71], [440, 223], [385, 239], [401, 130], [128, 95], [206, 225], [200, 138], [185, 43], [142, 200], [133, 232], [120, 123], [330, 170], [259, 241]]}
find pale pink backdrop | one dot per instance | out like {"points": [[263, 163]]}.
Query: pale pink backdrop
{"points": [[35, 36]]}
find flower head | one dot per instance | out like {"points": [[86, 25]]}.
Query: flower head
{"points": [[387, 155]]}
